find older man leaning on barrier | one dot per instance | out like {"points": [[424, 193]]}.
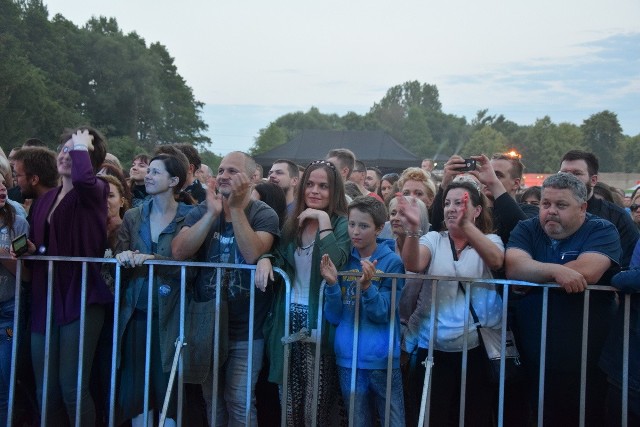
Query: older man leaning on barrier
{"points": [[232, 228], [568, 246]]}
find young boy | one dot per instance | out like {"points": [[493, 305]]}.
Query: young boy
{"points": [[369, 256]]}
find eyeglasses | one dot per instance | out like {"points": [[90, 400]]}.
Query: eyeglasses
{"points": [[323, 162], [634, 207]]}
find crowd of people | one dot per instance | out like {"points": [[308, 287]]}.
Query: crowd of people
{"points": [[334, 224]]}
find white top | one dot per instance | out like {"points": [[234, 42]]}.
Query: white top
{"points": [[300, 291], [450, 299]]}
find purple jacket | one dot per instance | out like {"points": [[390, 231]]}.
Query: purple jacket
{"points": [[78, 228]]}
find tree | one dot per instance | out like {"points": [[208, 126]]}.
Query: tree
{"points": [[268, 139], [180, 119], [449, 133], [630, 147], [286, 127], [410, 94], [210, 159], [416, 134], [602, 136], [545, 143], [485, 141], [55, 75], [393, 109]]}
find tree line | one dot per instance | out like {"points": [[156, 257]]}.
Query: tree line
{"points": [[54, 74], [412, 114]]}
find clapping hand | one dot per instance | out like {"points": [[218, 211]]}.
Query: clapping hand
{"points": [[240, 191], [368, 271], [328, 270]]}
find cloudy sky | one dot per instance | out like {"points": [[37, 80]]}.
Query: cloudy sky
{"points": [[252, 61]]}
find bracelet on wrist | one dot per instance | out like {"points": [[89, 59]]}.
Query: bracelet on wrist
{"points": [[325, 229], [80, 147], [417, 233]]}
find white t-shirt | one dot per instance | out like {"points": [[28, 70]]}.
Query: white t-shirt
{"points": [[300, 291]]}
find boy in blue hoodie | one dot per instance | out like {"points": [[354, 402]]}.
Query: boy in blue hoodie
{"points": [[370, 256]]}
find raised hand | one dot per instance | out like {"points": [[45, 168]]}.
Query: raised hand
{"points": [[240, 191], [451, 169], [409, 212], [214, 199], [83, 137], [328, 270]]}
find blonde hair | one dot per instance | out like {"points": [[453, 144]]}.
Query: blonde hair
{"points": [[420, 175], [5, 170]]}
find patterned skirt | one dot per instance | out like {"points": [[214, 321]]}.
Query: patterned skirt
{"points": [[331, 410]]}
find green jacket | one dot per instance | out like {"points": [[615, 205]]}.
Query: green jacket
{"points": [[337, 245], [134, 234]]}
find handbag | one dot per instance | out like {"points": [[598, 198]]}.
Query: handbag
{"points": [[491, 341]]}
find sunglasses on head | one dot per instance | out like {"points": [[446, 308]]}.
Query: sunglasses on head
{"points": [[323, 162]]}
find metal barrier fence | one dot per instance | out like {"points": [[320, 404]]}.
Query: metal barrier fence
{"points": [[429, 362], [177, 365], [176, 371]]}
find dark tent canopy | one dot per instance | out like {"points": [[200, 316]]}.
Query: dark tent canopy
{"points": [[374, 148]]}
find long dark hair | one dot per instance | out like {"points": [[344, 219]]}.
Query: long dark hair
{"points": [[273, 196], [8, 217], [337, 201]]}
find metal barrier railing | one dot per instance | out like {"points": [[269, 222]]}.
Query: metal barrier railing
{"points": [[176, 371], [177, 365], [429, 362]]}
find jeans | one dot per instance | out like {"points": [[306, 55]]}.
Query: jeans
{"points": [[370, 395], [232, 386], [6, 345], [63, 368]]}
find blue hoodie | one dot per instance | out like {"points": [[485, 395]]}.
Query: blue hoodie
{"points": [[375, 311]]}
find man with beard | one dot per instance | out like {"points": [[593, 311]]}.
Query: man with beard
{"points": [[372, 181], [570, 247], [284, 173], [36, 171], [584, 166]]}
